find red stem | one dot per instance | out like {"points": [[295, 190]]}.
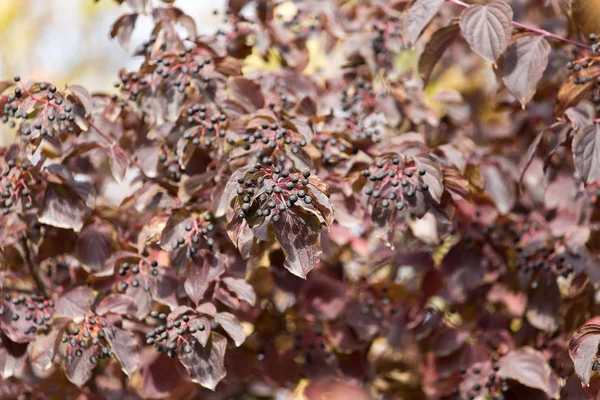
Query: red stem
{"points": [[542, 32]]}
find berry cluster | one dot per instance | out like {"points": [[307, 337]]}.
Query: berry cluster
{"points": [[171, 166], [341, 142], [145, 48], [15, 182], [279, 96], [377, 304], [137, 275], [541, 260], [538, 254], [44, 110], [131, 86], [394, 182], [178, 335], [270, 142], [204, 126], [389, 36], [269, 191], [489, 386], [34, 309], [360, 99], [313, 345], [235, 35], [595, 364], [583, 75], [300, 24], [334, 148], [87, 338], [199, 234], [58, 270], [182, 69]]}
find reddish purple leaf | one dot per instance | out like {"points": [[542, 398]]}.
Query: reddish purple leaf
{"points": [[463, 270], [94, 246], [435, 49], [119, 161], [500, 187], [12, 357], [242, 289], [530, 368], [523, 65], [433, 176], [206, 364], [324, 296], [84, 97], [142, 299], [247, 93], [76, 303], [164, 287], [298, 233], [202, 326], [161, 377], [123, 28], [205, 269], [586, 152], [543, 308], [62, 208], [583, 349], [45, 347], [232, 326], [419, 15], [117, 303], [190, 26], [487, 28], [125, 347], [79, 369], [448, 341]]}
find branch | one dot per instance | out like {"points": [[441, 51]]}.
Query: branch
{"points": [[18, 290], [29, 262], [542, 32]]}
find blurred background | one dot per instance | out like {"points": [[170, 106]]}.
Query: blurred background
{"points": [[67, 41]]}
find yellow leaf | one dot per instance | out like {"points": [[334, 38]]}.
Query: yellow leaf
{"points": [[440, 252], [405, 61], [255, 62], [317, 59], [9, 10], [298, 393], [586, 14], [285, 11], [516, 324]]}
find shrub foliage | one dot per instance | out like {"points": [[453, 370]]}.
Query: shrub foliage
{"points": [[366, 198]]}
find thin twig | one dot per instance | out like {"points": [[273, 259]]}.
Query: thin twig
{"points": [[30, 263], [542, 32], [18, 290]]}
